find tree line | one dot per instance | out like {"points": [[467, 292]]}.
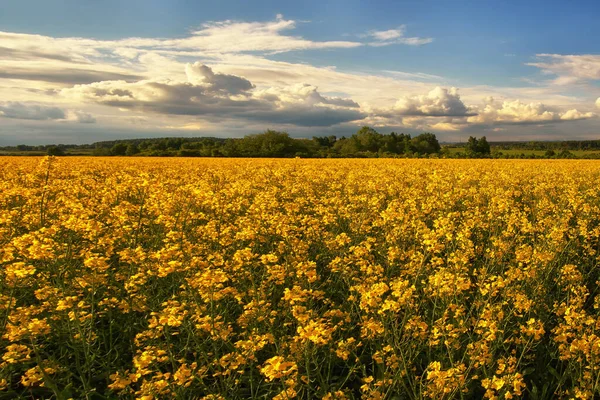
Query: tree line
{"points": [[366, 142]]}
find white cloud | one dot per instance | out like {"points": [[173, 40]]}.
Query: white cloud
{"points": [[302, 94], [574, 114], [235, 36], [72, 60], [443, 110], [413, 75], [517, 112], [446, 126], [569, 68], [389, 34], [598, 102], [219, 37], [395, 36], [437, 103]]}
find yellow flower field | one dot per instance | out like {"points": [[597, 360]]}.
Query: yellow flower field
{"points": [[252, 278]]}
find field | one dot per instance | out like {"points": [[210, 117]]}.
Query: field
{"points": [[239, 278], [528, 153]]}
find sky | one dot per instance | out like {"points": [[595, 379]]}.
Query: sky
{"points": [[82, 71]]}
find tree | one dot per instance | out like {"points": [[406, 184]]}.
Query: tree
{"points": [[119, 149], [368, 139], [268, 144], [55, 151], [132, 149], [483, 147], [550, 153], [478, 147], [425, 143], [348, 147], [472, 145]]}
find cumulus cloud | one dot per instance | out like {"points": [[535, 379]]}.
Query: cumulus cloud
{"points": [[213, 95], [443, 110], [517, 112], [569, 68], [302, 94], [202, 75], [30, 111], [598, 102], [395, 36], [434, 123], [439, 102]]}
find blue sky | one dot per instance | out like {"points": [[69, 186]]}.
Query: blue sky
{"points": [[75, 71]]}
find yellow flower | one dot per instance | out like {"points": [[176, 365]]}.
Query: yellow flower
{"points": [[277, 368]]}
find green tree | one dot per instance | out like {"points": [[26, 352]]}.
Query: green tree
{"points": [[425, 143], [477, 147], [348, 147], [119, 149], [483, 147], [132, 149], [368, 139], [267, 144], [55, 151], [472, 145]]}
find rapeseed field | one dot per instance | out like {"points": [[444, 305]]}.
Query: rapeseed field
{"points": [[310, 279]]}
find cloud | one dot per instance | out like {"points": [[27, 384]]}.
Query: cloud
{"points": [[236, 36], [82, 117], [69, 76], [443, 110], [72, 60], [413, 75], [302, 94], [598, 102], [27, 55], [216, 96], [305, 116], [517, 112], [569, 68], [421, 124], [395, 36], [446, 126], [192, 126], [37, 112], [199, 74], [439, 102], [17, 110], [213, 37], [220, 78]]}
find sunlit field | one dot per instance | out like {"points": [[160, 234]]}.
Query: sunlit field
{"points": [[251, 278]]}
